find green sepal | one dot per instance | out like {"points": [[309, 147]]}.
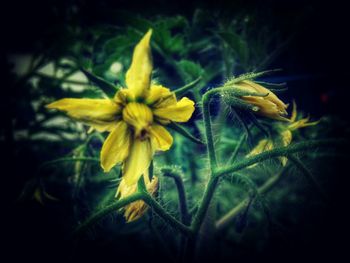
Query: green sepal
{"points": [[250, 76], [141, 186], [108, 88], [178, 128], [187, 87]]}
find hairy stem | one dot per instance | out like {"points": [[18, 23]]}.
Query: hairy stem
{"points": [[185, 216], [237, 148], [208, 129], [184, 132], [210, 188], [202, 210], [165, 215], [187, 87], [281, 151], [105, 211], [308, 175], [227, 219]]}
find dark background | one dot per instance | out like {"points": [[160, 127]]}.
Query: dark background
{"points": [[316, 64]]}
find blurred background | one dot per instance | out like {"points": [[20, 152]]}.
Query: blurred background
{"points": [[46, 43]]}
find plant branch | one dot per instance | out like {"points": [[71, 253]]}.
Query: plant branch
{"points": [[208, 129], [165, 215], [202, 210], [105, 211], [178, 128], [308, 175], [187, 87], [281, 151], [185, 216], [227, 219], [237, 148]]}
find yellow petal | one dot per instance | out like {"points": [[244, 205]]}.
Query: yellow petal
{"points": [[271, 96], [263, 145], [266, 108], [180, 112], [139, 116], [161, 138], [160, 96], [122, 97], [101, 114], [137, 209], [302, 123], [286, 137], [294, 112], [286, 140], [138, 161], [115, 149], [125, 190], [138, 76]]}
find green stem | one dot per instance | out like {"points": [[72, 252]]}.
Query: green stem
{"points": [[202, 210], [208, 129], [178, 128], [165, 215], [308, 175], [281, 151], [238, 147], [210, 188], [105, 211], [187, 87], [226, 220], [185, 216]]}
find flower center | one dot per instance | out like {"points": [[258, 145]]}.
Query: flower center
{"points": [[140, 117]]}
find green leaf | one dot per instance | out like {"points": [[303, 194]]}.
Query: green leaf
{"points": [[189, 70], [237, 44]]}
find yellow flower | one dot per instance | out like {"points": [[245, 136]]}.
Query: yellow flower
{"points": [[304, 122], [134, 118], [269, 106], [268, 144], [285, 136], [136, 209]]}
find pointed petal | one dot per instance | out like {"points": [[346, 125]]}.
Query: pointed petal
{"points": [[137, 209], [263, 145], [138, 77], [125, 190], [294, 112], [101, 114], [180, 112], [160, 96], [115, 149], [138, 161], [161, 138], [286, 137], [286, 140], [272, 96], [266, 108]]}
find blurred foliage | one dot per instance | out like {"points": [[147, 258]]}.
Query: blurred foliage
{"points": [[90, 61]]}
